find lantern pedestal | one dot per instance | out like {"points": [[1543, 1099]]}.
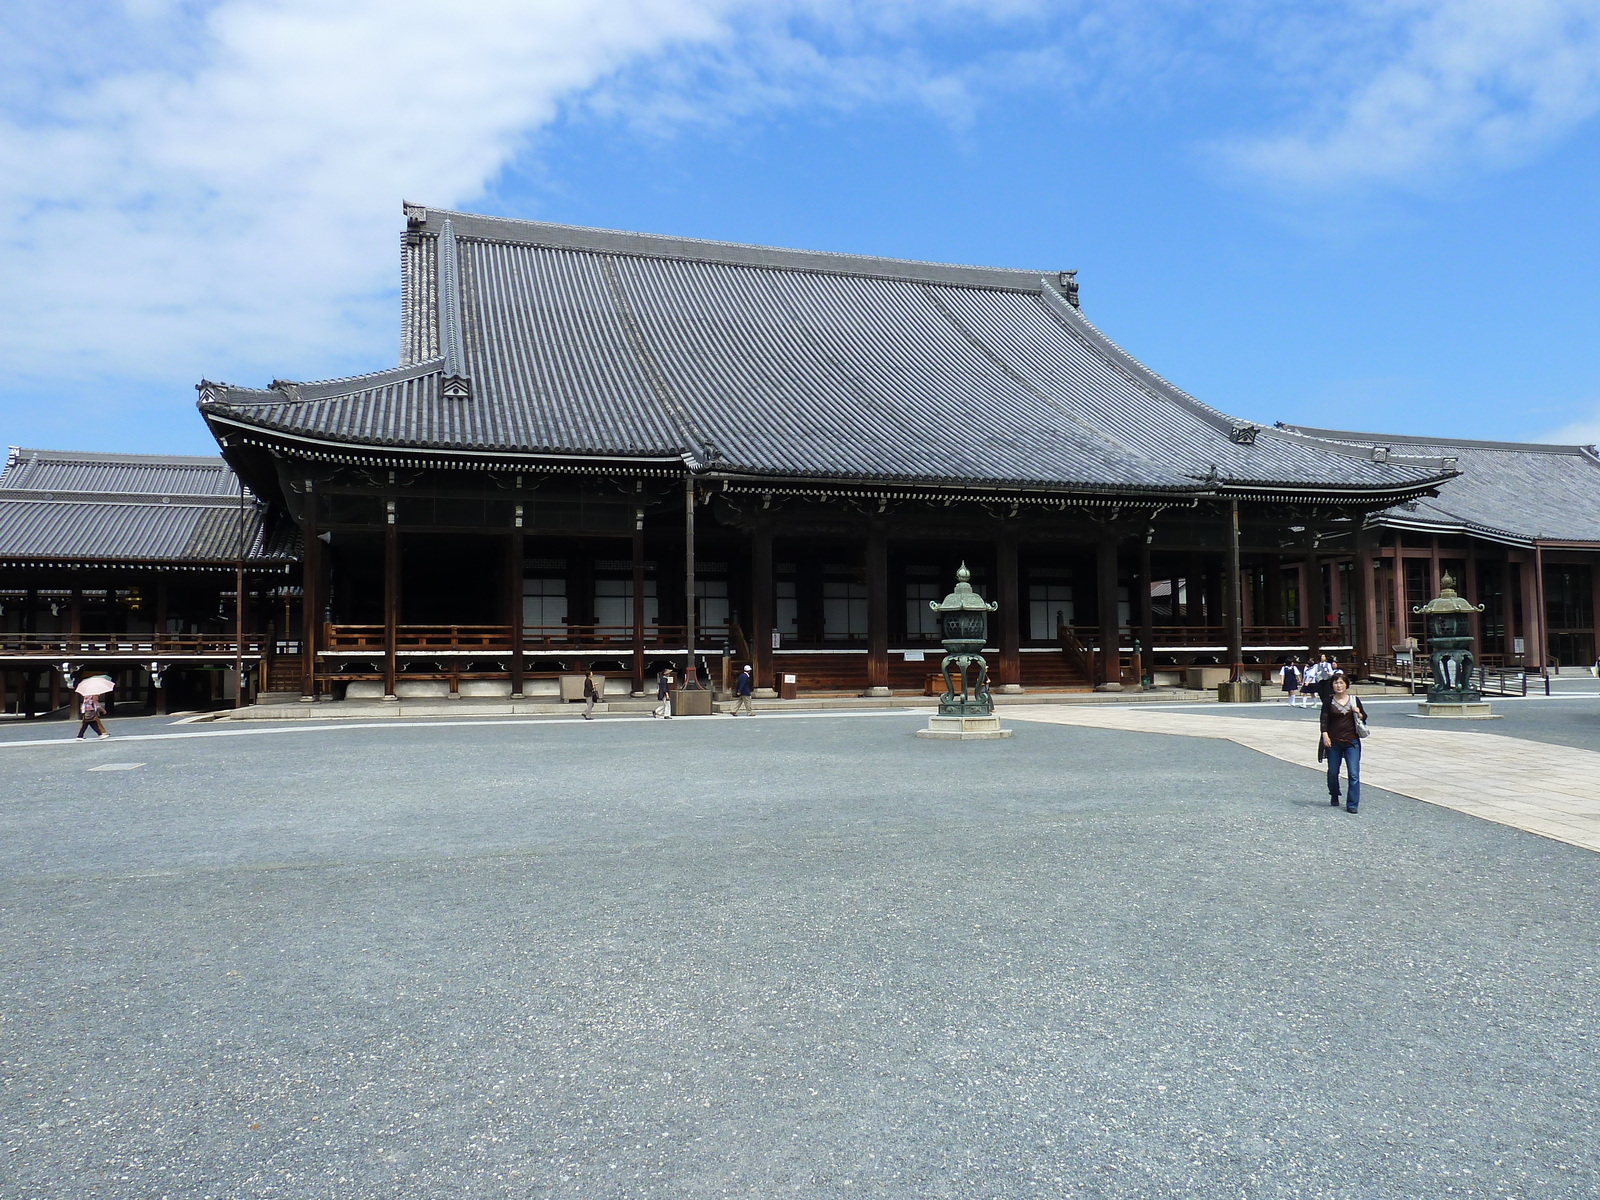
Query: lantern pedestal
{"points": [[964, 729], [1459, 710], [878, 692]]}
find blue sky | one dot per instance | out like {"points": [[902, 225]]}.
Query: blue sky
{"points": [[1374, 214]]}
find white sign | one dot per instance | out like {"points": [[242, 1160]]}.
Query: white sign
{"points": [[1516, 645], [914, 656], [788, 678], [777, 640]]}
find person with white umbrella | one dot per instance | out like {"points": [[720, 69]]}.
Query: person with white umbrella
{"points": [[93, 709]]}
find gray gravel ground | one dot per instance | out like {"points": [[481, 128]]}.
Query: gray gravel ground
{"points": [[1561, 720], [780, 956]]}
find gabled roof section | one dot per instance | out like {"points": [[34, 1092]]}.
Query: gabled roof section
{"points": [[529, 338], [82, 508], [146, 474], [1512, 492]]}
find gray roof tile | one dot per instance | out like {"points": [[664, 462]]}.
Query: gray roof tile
{"points": [[1510, 491], [759, 361]]}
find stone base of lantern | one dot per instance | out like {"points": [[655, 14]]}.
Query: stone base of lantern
{"points": [[964, 729], [1471, 710]]}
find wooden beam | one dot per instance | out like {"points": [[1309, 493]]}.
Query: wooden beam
{"points": [[1110, 625], [310, 558], [1147, 610], [689, 613], [877, 609], [761, 597], [1010, 613], [517, 552], [1232, 601], [638, 600], [391, 602]]}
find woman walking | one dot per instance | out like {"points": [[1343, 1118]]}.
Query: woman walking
{"points": [[1344, 723], [92, 712]]}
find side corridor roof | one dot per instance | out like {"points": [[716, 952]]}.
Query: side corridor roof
{"points": [[747, 360], [1512, 492], [70, 507]]}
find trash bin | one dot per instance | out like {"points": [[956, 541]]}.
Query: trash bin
{"points": [[788, 687]]}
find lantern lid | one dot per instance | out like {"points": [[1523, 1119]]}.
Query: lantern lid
{"points": [[963, 598], [1447, 601]]}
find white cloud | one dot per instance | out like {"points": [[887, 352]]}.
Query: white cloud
{"points": [[1398, 90], [244, 192], [208, 186]]}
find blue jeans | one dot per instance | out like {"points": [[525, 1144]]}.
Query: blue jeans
{"points": [[1350, 755]]}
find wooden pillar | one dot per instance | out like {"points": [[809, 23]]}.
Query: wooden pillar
{"points": [[1509, 605], [161, 611], [74, 621], [1311, 613], [877, 609], [391, 602], [516, 552], [1541, 614], [688, 580], [761, 597], [1147, 610], [1110, 627], [1365, 604], [638, 600], [1469, 592], [1232, 601], [1401, 616], [55, 689], [1433, 569], [310, 568], [1010, 644]]}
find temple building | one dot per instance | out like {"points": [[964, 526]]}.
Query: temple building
{"points": [[130, 565], [1519, 532], [602, 449]]}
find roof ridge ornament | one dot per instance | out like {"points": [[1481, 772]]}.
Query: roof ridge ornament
{"points": [[1244, 435], [1069, 287], [456, 385]]}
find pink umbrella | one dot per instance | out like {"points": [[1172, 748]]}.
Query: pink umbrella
{"points": [[95, 685]]}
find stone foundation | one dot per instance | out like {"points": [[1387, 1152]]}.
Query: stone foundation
{"points": [[964, 729]]}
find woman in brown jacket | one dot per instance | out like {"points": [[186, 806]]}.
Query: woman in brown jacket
{"points": [[1340, 741]]}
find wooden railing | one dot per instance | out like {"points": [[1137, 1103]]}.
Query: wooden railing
{"points": [[496, 639], [155, 645]]}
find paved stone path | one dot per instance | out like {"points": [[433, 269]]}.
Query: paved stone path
{"points": [[1553, 791]]}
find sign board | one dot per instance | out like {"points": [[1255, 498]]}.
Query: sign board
{"points": [[914, 656], [777, 640], [788, 678], [1402, 657], [1516, 646]]}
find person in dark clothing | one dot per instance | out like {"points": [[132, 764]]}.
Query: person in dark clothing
{"points": [[591, 694], [92, 711], [1325, 684], [742, 689], [1341, 740], [1291, 680], [664, 695]]}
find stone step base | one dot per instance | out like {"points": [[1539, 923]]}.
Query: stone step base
{"points": [[964, 729]]}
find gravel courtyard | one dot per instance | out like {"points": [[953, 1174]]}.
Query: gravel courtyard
{"points": [[808, 956]]}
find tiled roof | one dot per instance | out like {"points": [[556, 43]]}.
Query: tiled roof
{"points": [[81, 507], [762, 362], [148, 474], [1517, 492]]}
